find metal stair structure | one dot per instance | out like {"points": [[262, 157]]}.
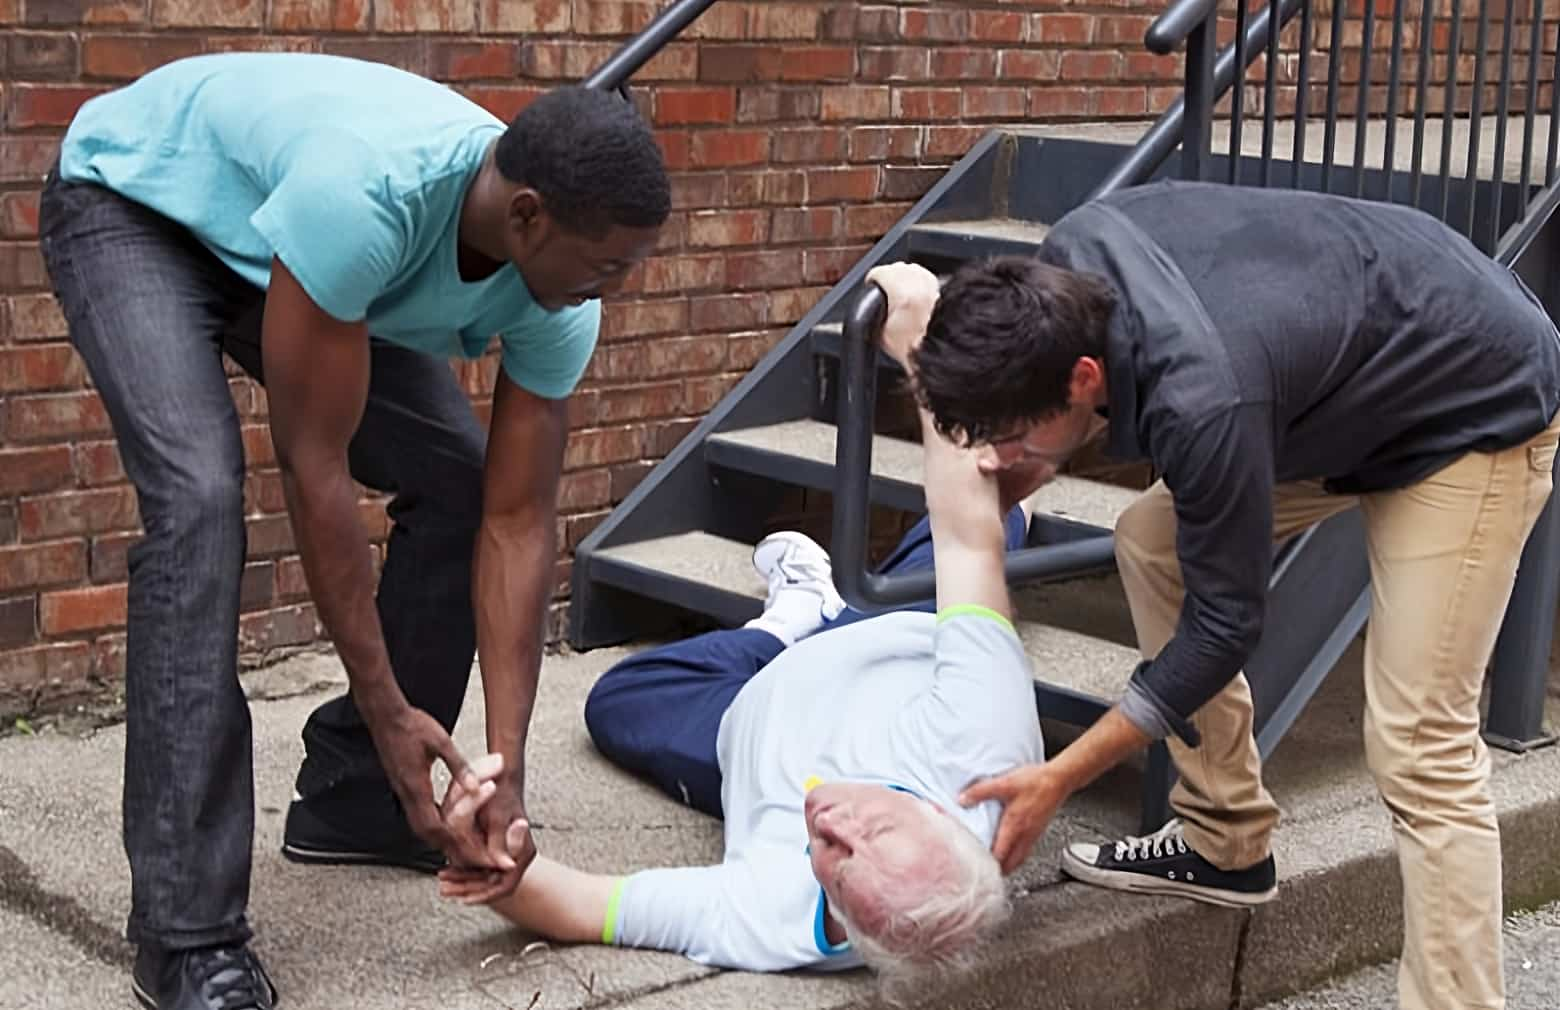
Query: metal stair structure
{"points": [[680, 543]]}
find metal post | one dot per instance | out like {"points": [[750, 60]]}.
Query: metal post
{"points": [[1196, 139], [1519, 669]]}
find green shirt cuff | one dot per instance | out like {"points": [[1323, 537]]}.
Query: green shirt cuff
{"points": [[973, 610], [609, 928]]}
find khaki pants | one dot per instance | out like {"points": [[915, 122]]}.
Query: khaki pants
{"points": [[1443, 556]]}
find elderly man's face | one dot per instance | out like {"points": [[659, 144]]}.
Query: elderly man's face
{"points": [[868, 840]]}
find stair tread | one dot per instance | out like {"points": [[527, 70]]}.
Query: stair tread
{"points": [[1073, 498], [1061, 656], [1008, 228]]}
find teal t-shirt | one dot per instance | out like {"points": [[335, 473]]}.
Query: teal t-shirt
{"points": [[352, 173]]}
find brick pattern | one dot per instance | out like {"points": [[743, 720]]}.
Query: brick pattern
{"points": [[797, 131]]}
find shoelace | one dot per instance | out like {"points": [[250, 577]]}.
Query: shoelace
{"points": [[232, 979], [1167, 841]]}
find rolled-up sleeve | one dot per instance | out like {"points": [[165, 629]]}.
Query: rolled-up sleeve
{"points": [[1220, 476]]}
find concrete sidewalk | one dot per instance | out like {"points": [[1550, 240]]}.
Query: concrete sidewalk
{"points": [[348, 938]]}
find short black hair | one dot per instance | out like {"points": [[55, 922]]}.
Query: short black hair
{"points": [[1001, 344], [591, 156]]}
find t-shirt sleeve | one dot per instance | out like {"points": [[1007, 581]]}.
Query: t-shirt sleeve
{"points": [[980, 710], [335, 231], [716, 915], [546, 352]]}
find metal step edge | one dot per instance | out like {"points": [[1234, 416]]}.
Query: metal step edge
{"points": [[713, 575], [973, 238], [828, 338], [802, 452]]}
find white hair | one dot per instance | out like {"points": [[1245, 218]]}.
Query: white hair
{"points": [[932, 925]]}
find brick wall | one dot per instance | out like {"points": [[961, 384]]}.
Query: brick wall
{"points": [[798, 133]]}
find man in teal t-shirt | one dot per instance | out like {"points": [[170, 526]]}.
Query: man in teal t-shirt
{"points": [[339, 229]]}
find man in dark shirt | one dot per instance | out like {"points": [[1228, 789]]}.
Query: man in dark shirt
{"points": [[1279, 357]]}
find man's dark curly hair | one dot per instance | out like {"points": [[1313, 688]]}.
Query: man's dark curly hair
{"points": [[592, 158], [1001, 344]]}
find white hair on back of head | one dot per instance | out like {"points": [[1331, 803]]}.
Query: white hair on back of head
{"points": [[932, 926]]}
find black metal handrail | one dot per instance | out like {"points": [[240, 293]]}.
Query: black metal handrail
{"points": [[613, 75], [1187, 124]]}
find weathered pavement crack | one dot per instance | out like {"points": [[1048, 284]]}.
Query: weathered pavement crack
{"points": [[1239, 971], [21, 892]]}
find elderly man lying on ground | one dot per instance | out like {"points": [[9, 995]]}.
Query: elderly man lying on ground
{"points": [[836, 757]]}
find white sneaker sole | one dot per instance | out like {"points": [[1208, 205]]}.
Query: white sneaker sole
{"points": [[1138, 883]]}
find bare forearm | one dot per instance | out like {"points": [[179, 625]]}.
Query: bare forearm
{"points": [[1111, 740], [559, 902], [339, 568], [513, 582]]}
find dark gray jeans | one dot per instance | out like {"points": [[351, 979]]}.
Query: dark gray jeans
{"points": [[151, 311]]}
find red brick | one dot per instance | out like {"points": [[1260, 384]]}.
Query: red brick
{"points": [[18, 215], [528, 18], [996, 26], [70, 611], [994, 103], [684, 273], [926, 103], [108, 560], [36, 55], [600, 446], [1118, 29], [1090, 66], [757, 270], [46, 671], [905, 182], [817, 63], [33, 566], [771, 20], [18, 622], [209, 13], [1070, 29], [258, 449], [40, 367], [21, 266], [895, 63], [830, 184], [621, 318], [269, 536], [26, 159], [1120, 101], [67, 513], [855, 102], [747, 349], [806, 224], [257, 586], [724, 228], [704, 392], [767, 104], [625, 477], [739, 63], [1140, 66], [7, 522], [584, 489], [730, 147], [791, 304], [684, 356], [826, 266], [48, 104], [872, 221], [1059, 101], [503, 102], [276, 629], [612, 17], [664, 436], [29, 471], [290, 581], [469, 61], [725, 313], [1029, 64], [261, 44], [126, 57], [578, 527], [408, 54], [263, 492], [320, 15], [636, 403], [674, 63], [808, 145], [964, 64], [35, 317], [85, 12], [700, 105], [769, 187], [935, 25], [50, 417], [885, 143]]}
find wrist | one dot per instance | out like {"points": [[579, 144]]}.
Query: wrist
{"points": [[379, 704]]}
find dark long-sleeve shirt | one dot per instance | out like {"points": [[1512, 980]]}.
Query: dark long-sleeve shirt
{"points": [[1265, 336]]}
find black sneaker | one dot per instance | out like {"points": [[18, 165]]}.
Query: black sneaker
{"points": [[1162, 863], [354, 824], [206, 978]]}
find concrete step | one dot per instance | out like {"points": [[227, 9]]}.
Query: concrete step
{"points": [[970, 239], [803, 452], [1346, 138], [715, 576]]}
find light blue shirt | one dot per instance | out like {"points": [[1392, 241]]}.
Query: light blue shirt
{"points": [[353, 174]]}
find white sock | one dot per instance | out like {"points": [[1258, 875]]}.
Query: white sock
{"points": [[795, 614]]}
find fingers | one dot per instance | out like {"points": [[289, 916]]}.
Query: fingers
{"points": [[498, 846], [461, 816], [488, 767], [460, 771], [999, 789]]}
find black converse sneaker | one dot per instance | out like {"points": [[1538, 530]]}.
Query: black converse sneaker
{"points": [[1162, 863]]}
